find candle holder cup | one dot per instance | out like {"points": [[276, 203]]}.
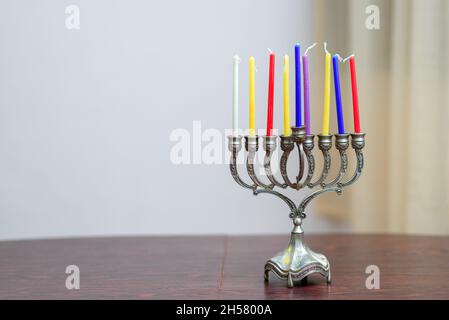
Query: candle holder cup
{"points": [[298, 261]]}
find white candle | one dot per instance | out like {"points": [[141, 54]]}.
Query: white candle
{"points": [[235, 97]]}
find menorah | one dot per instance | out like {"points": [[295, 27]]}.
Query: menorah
{"points": [[297, 261]]}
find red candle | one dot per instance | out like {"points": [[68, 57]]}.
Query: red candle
{"points": [[270, 96], [355, 96]]}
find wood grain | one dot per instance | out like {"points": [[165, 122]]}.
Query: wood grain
{"points": [[412, 267]]}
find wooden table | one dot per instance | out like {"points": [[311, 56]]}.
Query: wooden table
{"points": [[220, 267]]}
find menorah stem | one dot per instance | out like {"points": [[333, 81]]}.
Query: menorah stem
{"points": [[297, 261]]}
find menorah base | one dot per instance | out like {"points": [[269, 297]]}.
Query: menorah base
{"points": [[297, 262]]}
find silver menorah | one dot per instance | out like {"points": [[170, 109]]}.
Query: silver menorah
{"points": [[297, 261]]}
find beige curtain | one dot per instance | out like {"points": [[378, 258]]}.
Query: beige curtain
{"points": [[403, 76]]}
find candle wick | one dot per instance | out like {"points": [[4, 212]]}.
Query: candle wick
{"points": [[325, 48], [237, 58], [269, 50], [310, 47], [345, 59], [339, 57]]}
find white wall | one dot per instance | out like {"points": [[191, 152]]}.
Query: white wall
{"points": [[85, 116]]}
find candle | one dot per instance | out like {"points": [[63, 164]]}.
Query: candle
{"points": [[355, 96], [235, 97], [327, 84], [305, 70], [341, 126], [270, 95], [252, 97], [298, 110], [287, 129]]}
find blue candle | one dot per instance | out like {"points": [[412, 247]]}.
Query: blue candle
{"points": [[341, 125], [298, 85]]}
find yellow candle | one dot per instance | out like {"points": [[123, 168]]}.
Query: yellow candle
{"points": [[287, 129], [327, 88], [252, 97]]}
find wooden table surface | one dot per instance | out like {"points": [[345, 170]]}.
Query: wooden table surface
{"points": [[221, 267]]}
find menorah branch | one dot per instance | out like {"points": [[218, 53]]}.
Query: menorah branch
{"points": [[341, 143], [252, 146], [324, 144], [357, 143], [269, 144], [234, 146]]}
